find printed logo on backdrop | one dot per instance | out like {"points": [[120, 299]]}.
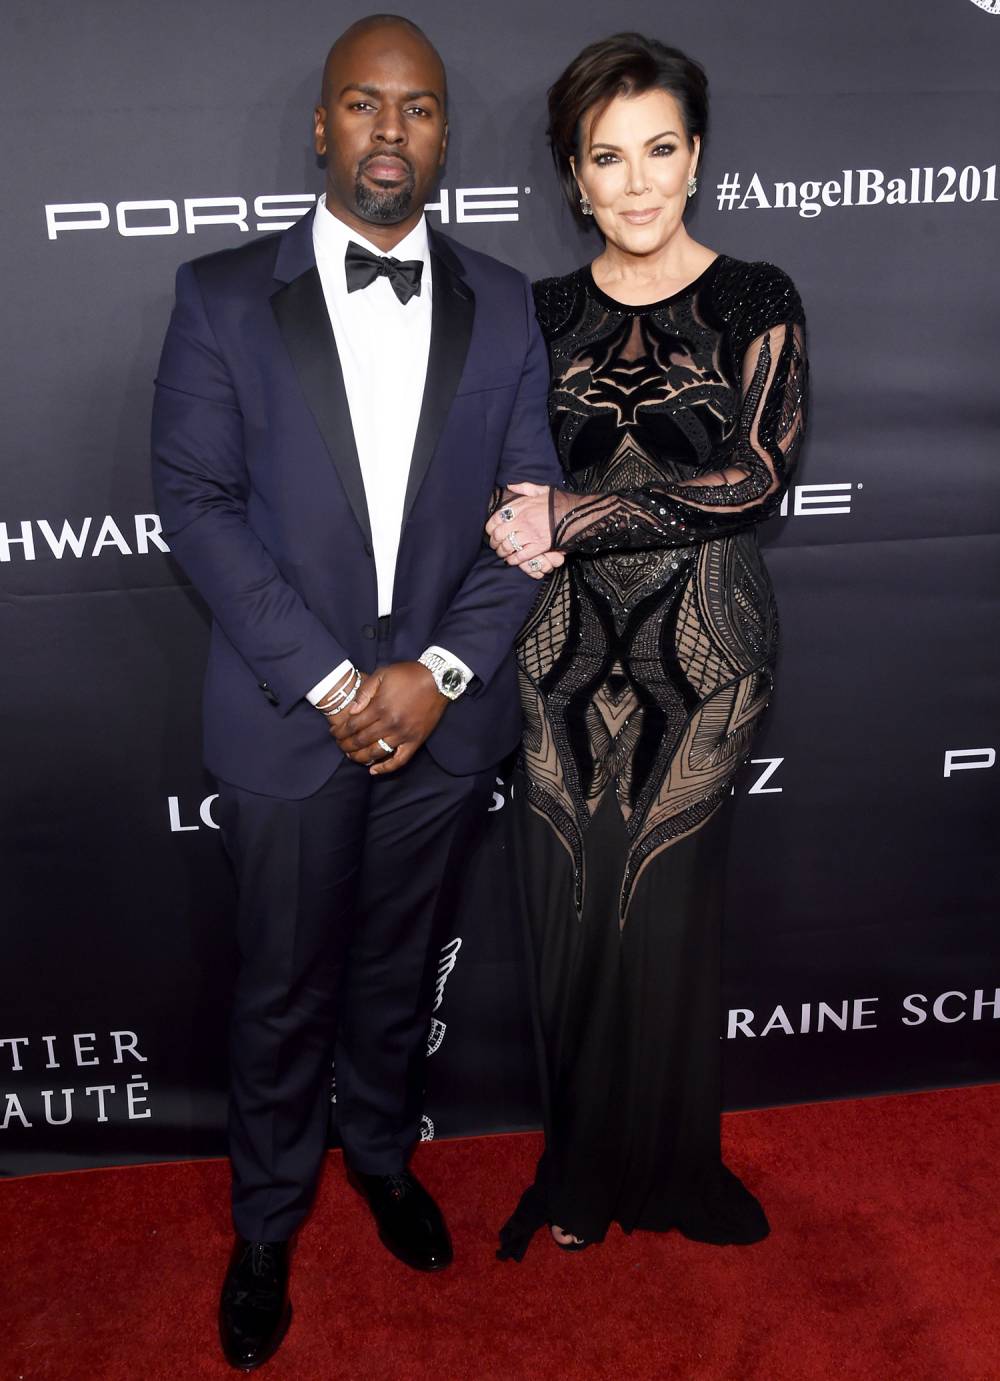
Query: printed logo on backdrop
{"points": [[446, 966], [183, 823], [763, 782], [187, 818], [168, 216], [864, 1014], [990, 6], [124, 1098], [141, 534], [819, 500], [859, 188], [82, 538], [968, 759]]}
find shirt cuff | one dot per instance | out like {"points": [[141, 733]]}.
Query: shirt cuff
{"points": [[466, 671], [327, 684]]}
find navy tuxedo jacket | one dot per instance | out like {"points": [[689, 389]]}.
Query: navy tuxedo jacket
{"points": [[262, 500]]}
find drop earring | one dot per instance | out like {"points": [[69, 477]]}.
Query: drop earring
{"points": [[585, 205], [692, 186]]}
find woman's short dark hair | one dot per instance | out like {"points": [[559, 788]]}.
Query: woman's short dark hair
{"points": [[623, 65]]}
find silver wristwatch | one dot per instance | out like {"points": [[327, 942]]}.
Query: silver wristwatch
{"points": [[450, 680]]}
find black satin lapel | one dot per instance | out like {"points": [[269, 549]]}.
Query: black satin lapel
{"points": [[304, 323], [453, 311]]}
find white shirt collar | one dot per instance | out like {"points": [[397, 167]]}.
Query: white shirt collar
{"points": [[331, 237]]}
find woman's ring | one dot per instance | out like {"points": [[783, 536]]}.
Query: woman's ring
{"points": [[386, 747], [534, 564], [507, 514], [515, 545]]}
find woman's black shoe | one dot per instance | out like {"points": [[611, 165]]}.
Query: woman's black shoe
{"points": [[254, 1311], [409, 1221]]}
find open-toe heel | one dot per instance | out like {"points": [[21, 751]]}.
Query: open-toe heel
{"points": [[566, 1246]]}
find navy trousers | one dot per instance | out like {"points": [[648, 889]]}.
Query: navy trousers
{"points": [[345, 899]]}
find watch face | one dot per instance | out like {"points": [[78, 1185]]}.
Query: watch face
{"points": [[452, 679]]}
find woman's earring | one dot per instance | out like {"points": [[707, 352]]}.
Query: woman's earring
{"points": [[585, 205], [692, 186]]}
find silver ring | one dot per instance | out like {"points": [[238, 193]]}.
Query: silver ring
{"points": [[507, 514], [386, 747], [514, 543], [534, 564]]}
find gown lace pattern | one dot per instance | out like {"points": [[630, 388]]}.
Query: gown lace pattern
{"points": [[648, 660]]}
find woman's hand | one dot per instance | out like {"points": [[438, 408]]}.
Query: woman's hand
{"points": [[538, 566], [521, 530]]}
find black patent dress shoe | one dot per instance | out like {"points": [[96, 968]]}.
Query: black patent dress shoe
{"points": [[254, 1311], [409, 1221]]}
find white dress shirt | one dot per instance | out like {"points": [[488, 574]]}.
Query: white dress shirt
{"points": [[383, 346]]}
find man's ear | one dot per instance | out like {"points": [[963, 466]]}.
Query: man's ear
{"points": [[319, 130]]}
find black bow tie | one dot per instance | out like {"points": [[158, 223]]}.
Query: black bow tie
{"points": [[363, 268]]}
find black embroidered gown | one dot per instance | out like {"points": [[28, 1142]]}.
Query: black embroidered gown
{"points": [[645, 668]]}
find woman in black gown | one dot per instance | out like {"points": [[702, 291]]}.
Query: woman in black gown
{"points": [[678, 383]]}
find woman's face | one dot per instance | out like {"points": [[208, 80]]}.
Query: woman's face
{"points": [[633, 167]]}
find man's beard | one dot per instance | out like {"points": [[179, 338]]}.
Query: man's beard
{"points": [[387, 204]]}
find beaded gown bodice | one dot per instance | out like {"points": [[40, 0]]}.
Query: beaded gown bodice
{"points": [[647, 662]]}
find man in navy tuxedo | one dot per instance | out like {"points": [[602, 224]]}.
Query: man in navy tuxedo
{"points": [[335, 408]]}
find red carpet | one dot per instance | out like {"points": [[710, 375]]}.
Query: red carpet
{"points": [[883, 1262]]}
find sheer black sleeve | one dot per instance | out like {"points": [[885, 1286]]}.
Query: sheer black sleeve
{"points": [[748, 476]]}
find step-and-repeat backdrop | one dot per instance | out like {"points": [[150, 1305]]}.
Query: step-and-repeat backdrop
{"points": [[857, 146]]}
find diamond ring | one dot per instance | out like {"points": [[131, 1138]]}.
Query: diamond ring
{"points": [[515, 544], [507, 514], [386, 747], [534, 564]]}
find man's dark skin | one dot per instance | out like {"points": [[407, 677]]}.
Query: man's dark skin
{"points": [[383, 129]]}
